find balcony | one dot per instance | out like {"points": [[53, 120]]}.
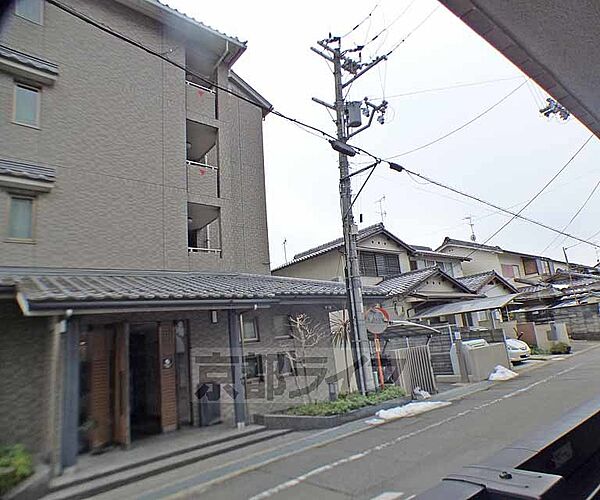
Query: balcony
{"points": [[200, 101], [202, 175], [202, 179], [204, 229]]}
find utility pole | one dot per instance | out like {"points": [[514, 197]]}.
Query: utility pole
{"points": [[348, 115], [285, 250]]}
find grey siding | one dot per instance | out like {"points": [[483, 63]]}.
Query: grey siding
{"points": [[114, 127], [26, 390]]}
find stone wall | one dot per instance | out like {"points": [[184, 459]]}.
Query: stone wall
{"points": [[583, 322]]}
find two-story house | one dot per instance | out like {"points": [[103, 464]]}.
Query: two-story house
{"points": [[517, 267], [133, 234], [381, 254]]}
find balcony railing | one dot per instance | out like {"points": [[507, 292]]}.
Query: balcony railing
{"points": [[200, 101], [200, 164], [216, 251], [206, 89]]}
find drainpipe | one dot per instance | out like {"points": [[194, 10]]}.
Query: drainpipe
{"points": [[223, 56]]}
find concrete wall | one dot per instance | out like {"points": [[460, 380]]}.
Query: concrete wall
{"points": [[114, 128], [28, 400]]}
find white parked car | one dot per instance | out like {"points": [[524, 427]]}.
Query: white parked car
{"points": [[517, 350]]}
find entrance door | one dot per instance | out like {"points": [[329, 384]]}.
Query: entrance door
{"points": [[144, 380]]}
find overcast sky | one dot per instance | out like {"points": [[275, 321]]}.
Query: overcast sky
{"points": [[505, 157]]}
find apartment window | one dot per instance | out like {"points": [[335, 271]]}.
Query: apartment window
{"points": [[510, 271], [249, 328], [530, 266], [31, 10], [253, 366], [20, 219], [27, 105], [379, 264]]}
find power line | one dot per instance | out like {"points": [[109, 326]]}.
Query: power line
{"points": [[441, 138], [389, 53], [454, 86], [517, 214], [385, 28], [497, 207], [574, 216], [367, 17]]}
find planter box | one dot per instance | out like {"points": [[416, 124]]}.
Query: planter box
{"points": [[304, 422]]}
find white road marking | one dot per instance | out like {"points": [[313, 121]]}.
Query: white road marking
{"points": [[389, 495], [357, 456]]}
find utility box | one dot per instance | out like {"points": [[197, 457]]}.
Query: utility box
{"points": [[209, 403], [354, 114]]}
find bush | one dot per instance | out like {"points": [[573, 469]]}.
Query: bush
{"points": [[560, 348], [346, 403], [15, 465]]}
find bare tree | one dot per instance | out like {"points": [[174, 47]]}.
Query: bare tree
{"points": [[307, 335]]}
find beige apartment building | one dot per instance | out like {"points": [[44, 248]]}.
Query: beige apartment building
{"points": [[133, 249]]}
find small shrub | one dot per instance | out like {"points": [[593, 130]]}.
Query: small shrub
{"points": [[560, 348], [346, 403], [535, 350], [15, 465]]}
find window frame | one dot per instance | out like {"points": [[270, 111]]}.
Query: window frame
{"points": [[256, 330], [16, 239], [528, 262], [38, 111], [35, 21]]}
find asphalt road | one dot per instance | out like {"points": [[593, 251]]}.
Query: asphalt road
{"points": [[406, 456]]}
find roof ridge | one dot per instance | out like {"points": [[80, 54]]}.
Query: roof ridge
{"points": [[322, 246]]}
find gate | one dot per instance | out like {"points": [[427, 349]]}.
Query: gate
{"points": [[413, 368]]}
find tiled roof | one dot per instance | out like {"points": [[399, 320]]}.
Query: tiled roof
{"points": [[182, 15], [406, 282], [471, 244], [339, 242], [440, 255], [56, 286], [363, 233], [28, 60], [27, 170], [477, 281]]}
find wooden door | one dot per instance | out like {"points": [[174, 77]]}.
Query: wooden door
{"points": [[168, 376], [122, 434], [99, 343]]}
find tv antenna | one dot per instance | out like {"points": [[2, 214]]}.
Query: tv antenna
{"points": [[472, 224], [382, 213]]}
